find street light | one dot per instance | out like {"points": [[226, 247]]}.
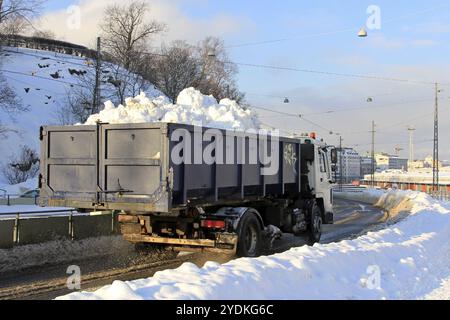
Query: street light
{"points": [[362, 33]]}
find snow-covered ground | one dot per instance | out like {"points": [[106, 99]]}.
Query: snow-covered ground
{"points": [[192, 107], [18, 189], [407, 260]]}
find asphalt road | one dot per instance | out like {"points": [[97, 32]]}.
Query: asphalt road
{"points": [[48, 282]]}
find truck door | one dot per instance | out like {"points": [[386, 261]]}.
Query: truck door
{"points": [[324, 180]]}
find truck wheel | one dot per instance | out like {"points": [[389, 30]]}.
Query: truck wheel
{"points": [[314, 232], [250, 237]]}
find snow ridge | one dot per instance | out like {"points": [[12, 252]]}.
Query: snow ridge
{"points": [[408, 260], [192, 107]]}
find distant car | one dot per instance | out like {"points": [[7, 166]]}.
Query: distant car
{"points": [[30, 194]]}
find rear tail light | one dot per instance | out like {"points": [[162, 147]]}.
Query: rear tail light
{"points": [[213, 224]]}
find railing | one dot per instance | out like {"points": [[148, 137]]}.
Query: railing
{"points": [[441, 195], [47, 225], [15, 200], [348, 188]]}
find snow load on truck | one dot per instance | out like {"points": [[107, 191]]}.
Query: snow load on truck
{"points": [[192, 107]]}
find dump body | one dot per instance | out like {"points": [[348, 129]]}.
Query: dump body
{"points": [[134, 167]]}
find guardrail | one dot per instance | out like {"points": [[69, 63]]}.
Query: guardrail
{"points": [[19, 228], [348, 188], [15, 200], [442, 195]]}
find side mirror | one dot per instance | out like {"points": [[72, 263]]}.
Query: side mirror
{"points": [[334, 156]]}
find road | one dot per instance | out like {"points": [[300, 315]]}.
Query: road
{"points": [[48, 282]]}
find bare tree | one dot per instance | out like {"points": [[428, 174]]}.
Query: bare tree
{"points": [[46, 34], [217, 75], [174, 70], [126, 31], [15, 25], [205, 67], [24, 9], [10, 104], [79, 102], [22, 167]]}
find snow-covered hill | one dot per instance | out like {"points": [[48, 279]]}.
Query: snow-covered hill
{"points": [[42, 80]]}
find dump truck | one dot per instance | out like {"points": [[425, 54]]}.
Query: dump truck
{"points": [[189, 188]]}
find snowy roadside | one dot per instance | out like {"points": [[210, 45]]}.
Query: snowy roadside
{"points": [[408, 260], [59, 251]]}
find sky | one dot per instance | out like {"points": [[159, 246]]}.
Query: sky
{"points": [[409, 41]]}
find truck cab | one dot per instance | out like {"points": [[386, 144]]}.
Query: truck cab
{"points": [[321, 174]]}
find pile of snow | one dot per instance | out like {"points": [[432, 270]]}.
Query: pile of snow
{"points": [[192, 107], [408, 260]]}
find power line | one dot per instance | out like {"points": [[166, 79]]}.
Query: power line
{"points": [[32, 85], [348, 75], [49, 58], [328, 73], [353, 108], [344, 30], [40, 77]]}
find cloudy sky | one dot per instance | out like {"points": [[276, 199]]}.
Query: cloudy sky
{"points": [[412, 44]]}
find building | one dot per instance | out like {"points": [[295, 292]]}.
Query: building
{"points": [[366, 165], [351, 166], [429, 162], [397, 163], [417, 164], [385, 162]]}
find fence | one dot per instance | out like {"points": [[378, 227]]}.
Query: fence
{"points": [[43, 226], [15, 200], [441, 195], [348, 188]]}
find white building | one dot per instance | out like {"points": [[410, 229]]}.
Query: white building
{"points": [[351, 166], [385, 162]]}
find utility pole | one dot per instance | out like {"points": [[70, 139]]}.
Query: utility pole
{"points": [[373, 154], [411, 144], [341, 173], [97, 93], [436, 141], [1, 11]]}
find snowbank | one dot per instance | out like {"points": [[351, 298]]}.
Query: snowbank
{"points": [[53, 252], [192, 107], [20, 188], [408, 260]]}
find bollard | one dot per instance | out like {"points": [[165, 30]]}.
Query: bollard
{"points": [[8, 203], [16, 233], [71, 234], [112, 221]]}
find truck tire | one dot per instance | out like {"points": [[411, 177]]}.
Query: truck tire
{"points": [[314, 232], [249, 237]]}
